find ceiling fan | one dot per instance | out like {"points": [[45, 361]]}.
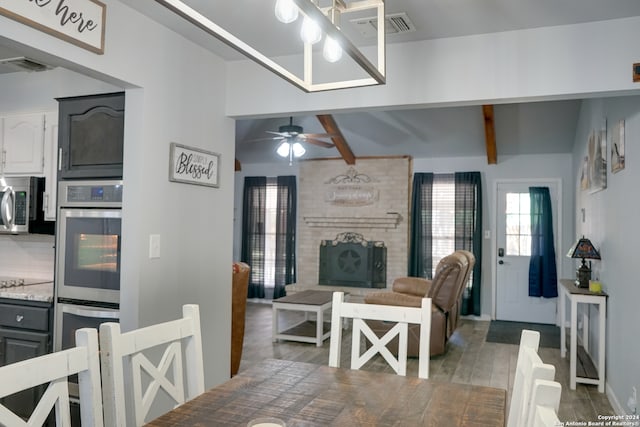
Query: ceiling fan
{"points": [[295, 133], [292, 137]]}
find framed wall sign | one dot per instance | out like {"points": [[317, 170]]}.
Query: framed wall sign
{"points": [[193, 166], [81, 22]]}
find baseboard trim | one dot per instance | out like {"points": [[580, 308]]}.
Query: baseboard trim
{"points": [[615, 403], [481, 318]]}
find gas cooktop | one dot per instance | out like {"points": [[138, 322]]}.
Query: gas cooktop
{"points": [[13, 282]]}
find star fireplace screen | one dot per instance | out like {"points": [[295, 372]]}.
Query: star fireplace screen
{"points": [[350, 260]]}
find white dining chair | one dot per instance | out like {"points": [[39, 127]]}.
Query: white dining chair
{"points": [[402, 316], [132, 349], [54, 368], [529, 367], [545, 402]]}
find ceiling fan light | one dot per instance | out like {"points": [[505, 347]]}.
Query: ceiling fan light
{"points": [[298, 149], [310, 31], [283, 149], [286, 11], [332, 51]]}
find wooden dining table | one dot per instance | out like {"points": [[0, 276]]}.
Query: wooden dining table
{"points": [[305, 394]]}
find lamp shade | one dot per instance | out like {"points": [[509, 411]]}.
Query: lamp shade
{"points": [[584, 249]]}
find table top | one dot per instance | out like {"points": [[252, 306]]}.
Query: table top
{"points": [[307, 297], [305, 394], [570, 286]]}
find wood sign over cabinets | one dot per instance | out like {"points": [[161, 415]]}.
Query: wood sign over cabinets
{"points": [[81, 22]]}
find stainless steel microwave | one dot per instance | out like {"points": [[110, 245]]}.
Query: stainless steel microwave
{"points": [[21, 206]]}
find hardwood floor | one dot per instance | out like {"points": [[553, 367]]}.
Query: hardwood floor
{"points": [[469, 359]]}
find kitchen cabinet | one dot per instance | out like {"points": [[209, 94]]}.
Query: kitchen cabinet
{"points": [[91, 136], [23, 144], [25, 332]]}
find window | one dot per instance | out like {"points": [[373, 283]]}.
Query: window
{"points": [[518, 224], [271, 206], [268, 234], [443, 215]]}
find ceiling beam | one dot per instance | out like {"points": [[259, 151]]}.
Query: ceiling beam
{"points": [[238, 166], [330, 126], [490, 134]]}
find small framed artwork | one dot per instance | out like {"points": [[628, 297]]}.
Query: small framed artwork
{"points": [[193, 166], [617, 147], [597, 159]]}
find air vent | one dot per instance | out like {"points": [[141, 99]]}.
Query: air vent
{"points": [[22, 64], [395, 23]]}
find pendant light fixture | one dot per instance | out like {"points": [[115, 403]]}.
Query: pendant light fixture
{"points": [[318, 23]]}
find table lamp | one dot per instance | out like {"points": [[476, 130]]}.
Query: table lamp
{"points": [[584, 249]]}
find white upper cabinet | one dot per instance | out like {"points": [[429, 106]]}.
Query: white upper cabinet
{"points": [[50, 165], [23, 144]]}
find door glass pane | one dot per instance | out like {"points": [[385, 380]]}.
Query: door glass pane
{"points": [[518, 224]]}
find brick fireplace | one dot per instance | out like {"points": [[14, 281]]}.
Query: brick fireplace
{"points": [[370, 198]]}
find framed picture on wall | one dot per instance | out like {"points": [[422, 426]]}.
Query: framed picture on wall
{"points": [[597, 155], [617, 147]]}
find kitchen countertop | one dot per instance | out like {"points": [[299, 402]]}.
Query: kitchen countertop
{"points": [[42, 292]]}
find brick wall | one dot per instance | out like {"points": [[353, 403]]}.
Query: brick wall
{"points": [[370, 198]]}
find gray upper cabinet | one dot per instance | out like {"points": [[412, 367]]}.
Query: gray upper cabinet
{"points": [[91, 136]]}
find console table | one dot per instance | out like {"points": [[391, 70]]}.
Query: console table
{"points": [[581, 369]]}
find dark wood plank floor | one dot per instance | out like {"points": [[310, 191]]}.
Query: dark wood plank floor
{"points": [[469, 359]]}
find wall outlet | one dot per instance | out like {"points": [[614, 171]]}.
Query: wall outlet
{"points": [[632, 403]]}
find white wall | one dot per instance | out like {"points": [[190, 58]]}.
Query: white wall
{"points": [[554, 62], [611, 223], [166, 101]]}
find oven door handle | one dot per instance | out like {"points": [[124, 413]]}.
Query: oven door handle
{"points": [[7, 206], [83, 312]]}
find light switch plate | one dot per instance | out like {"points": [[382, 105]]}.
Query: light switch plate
{"points": [[154, 246]]}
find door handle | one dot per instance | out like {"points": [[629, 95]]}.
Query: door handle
{"points": [[501, 262]]}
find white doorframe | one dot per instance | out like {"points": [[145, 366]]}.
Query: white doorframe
{"points": [[494, 232]]}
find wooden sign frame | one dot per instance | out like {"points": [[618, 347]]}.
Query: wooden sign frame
{"points": [[80, 22]]}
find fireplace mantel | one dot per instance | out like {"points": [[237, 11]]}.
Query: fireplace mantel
{"points": [[391, 220]]}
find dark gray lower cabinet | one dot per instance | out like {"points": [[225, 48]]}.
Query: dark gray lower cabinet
{"points": [[25, 332]]}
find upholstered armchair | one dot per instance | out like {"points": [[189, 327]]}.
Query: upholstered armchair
{"points": [[240, 286], [445, 290]]}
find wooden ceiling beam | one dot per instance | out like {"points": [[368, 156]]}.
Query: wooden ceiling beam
{"points": [[490, 134], [238, 166], [330, 126]]}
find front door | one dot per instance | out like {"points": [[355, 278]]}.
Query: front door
{"points": [[514, 248]]}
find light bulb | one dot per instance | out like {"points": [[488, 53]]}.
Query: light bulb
{"points": [[298, 149], [283, 149], [310, 32], [286, 11], [331, 51]]}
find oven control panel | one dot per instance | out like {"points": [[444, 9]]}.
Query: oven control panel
{"points": [[90, 193]]}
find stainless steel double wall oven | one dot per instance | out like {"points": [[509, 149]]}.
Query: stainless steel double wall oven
{"points": [[88, 243]]}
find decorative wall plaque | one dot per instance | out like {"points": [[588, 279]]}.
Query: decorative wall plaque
{"points": [[81, 22], [351, 189], [193, 166]]}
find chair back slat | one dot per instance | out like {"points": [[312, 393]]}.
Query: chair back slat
{"points": [[54, 369], [402, 316], [176, 336], [545, 402], [529, 368]]}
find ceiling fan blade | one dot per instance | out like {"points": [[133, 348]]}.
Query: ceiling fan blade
{"points": [[318, 135], [283, 134], [319, 142], [274, 138]]}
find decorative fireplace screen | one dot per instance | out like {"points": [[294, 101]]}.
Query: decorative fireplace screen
{"points": [[350, 260]]}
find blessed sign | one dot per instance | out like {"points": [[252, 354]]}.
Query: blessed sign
{"points": [[193, 166], [81, 22]]}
